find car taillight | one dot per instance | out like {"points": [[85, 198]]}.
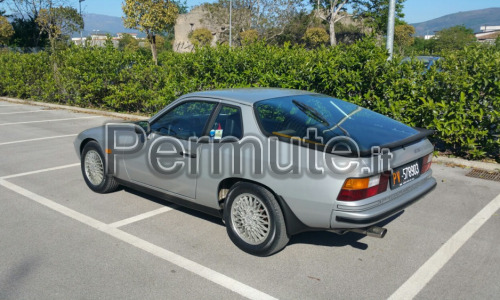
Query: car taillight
{"points": [[426, 163], [355, 189]]}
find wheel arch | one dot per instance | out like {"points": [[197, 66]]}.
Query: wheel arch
{"points": [[85, 142], [292, 222], [108, 183]]}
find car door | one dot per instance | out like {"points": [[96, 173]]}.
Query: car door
{"points": [[220, 158], [170, 149]]}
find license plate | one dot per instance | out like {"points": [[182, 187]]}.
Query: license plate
{"points": [[405, 174]]}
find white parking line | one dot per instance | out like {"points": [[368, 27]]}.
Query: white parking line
{"points": [[24, 112], [38, 139], [202, 271], [8, 105], [140, 217], [53, 120], [39, 171], [432, 266]]}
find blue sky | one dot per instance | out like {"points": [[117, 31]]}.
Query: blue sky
{"points": [[415, 10]]}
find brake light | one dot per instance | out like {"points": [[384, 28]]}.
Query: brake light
{"points": [[355, 189], [426, 163]]}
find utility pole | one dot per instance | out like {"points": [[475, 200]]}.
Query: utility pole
{"points": [[230, 22], [81, 30], [390, 28]]}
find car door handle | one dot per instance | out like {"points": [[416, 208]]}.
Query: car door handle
{"points": [[185, 154]]}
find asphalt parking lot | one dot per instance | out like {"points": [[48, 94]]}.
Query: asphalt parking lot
{"points": [[60, 240]]}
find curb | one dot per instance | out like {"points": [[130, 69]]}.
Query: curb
{"points": [[440, 159], [77, 109], [467, 163]]}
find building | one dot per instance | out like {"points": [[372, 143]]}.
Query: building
{"points": [[99, 39], [488, 34], [187, 23], [487, 28]]}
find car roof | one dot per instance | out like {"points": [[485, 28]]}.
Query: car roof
{"points": [[247, 95], [427, 58], [422, 58]]}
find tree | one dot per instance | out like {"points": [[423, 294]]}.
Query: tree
{"points": [[403, 36], [376, 13], [330, 11], [422, 46], [151, 17], [25, 10], [201, 37], [249, 37], [6, 30], [2, 12], [348, 33], [163, 43], [29, 9], [58, 23], [181, 6], [128, 43], [268, 17], [27, 32], [316, 36], [296, 27], [454, 38]]}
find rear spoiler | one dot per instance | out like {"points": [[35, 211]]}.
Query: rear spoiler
{"points": [[417, 137], [422, 133]]}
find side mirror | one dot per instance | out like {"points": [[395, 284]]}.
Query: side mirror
{"points": [[144, 125]]}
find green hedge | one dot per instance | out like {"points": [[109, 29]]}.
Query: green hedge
{"points": [[460, 98]]}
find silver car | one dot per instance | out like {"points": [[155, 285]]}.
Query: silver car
{"points": [[270, 162]]}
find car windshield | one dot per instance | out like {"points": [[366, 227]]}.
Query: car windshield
{"points": [[292, 117]]}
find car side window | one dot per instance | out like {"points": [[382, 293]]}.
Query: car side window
{"points": [[228, 123], [185, 120]]}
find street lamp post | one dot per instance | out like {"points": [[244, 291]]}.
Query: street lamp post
{"points": [[390, 28], [81, 30], [230, 23]]}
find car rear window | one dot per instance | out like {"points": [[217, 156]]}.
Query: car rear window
{"points": [[292, 116]]}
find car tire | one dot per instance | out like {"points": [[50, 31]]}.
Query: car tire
{"points": [[93, 167], [254, 220]]}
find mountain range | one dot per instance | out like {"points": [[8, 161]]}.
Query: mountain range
{"points": [[472, 19], [95, 23]]}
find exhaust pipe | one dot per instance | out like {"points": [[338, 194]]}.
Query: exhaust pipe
{"points": [[373, 231]]}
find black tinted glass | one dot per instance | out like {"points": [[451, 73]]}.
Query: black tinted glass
{"points": [[185, 120], [228, 123], [292, 117]]}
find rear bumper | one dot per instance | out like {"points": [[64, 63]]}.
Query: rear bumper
{"points": [[389, 206]]}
